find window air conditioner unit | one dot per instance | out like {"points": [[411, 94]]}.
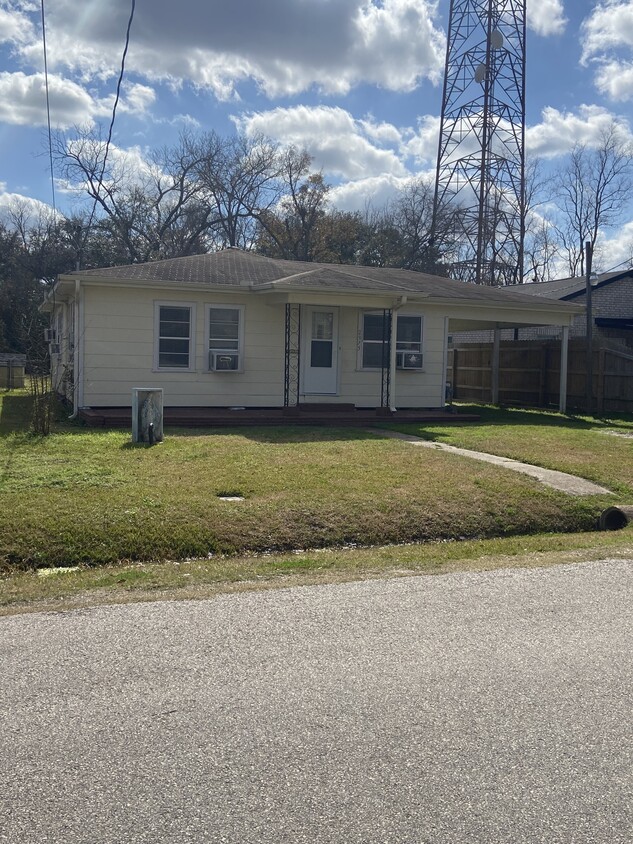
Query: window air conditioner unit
{"points": [[49, 335], [224, 361], [408, 360]]}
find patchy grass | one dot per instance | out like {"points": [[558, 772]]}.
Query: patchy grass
{"points": [[56, 589], [89, 497], [597, 448]]}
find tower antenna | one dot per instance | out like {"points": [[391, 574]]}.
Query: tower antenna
{"points": [[479, 205]]}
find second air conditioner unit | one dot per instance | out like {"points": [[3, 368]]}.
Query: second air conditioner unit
{"points": [[408, 360], [224, 361]]}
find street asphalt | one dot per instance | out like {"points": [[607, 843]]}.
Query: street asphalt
{"points": [[487, 707]]}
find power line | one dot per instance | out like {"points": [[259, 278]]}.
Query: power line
{"points": [[111, 128], [118, 90], [48, 109]]}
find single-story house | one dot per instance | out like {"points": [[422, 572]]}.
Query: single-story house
{"points": [[235, 329]]}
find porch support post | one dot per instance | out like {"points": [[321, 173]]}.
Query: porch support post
{"points": [[292, 356], [495, 364], [392, 359], [385, 370], [564, 347]]}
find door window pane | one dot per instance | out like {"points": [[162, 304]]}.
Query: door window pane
{"points": [[321, 353], [322, 325]]}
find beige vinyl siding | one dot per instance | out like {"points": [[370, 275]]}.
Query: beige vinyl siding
{"points": [[413, 389], [119, 350], [119, 341], [423, 388]]}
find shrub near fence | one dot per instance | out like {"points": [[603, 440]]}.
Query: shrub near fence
{"points": [[529, 374]]}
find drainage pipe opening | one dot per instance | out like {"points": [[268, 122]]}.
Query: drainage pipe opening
{"points": [[615, 518]]}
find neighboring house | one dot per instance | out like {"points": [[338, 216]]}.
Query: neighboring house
{"points": [[611, 307], [237, 329]]}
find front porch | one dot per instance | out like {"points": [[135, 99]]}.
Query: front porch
{"points": [[334, 415]]}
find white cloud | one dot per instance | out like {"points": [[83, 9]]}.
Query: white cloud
{"points": [[610, 25], [421, 145], [286, 46], [340, 145], [560, 130], [607, 39], [546, 17], [33, 207], [15, 26], [615, 80], [373, 192], [23, 101]]}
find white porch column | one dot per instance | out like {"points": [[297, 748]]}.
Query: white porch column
{"points": [[495, 364], [564, 346]]}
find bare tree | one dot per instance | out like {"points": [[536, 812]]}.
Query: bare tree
{"points": [[239, 178], [591, 192], [542, 243], [411, 214], [290, 229], [155, 209]]}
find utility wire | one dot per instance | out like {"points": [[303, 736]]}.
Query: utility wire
{"points": [[118, 91], [48, 109], [111, 128]]}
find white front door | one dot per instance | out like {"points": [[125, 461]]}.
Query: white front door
{"points": [[320, 351]]}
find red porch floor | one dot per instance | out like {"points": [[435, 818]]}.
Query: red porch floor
{"points": [[216, 417]]}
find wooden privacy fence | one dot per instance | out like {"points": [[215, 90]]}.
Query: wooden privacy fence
{"points": [[12, 371], [529, 374]]}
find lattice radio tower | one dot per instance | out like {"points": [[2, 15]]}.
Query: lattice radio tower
{"points": [[479, 204]]}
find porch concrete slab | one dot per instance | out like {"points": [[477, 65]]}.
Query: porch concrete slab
{"points": [[557, 480]]}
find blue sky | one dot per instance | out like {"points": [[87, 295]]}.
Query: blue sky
{"points": [[357, 82]]}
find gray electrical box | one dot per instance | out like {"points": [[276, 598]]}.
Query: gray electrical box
{"points": [[147, 415]]}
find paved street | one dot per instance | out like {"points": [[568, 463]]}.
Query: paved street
{"points": [[488, 707]]}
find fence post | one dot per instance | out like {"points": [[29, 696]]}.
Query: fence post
{"points": [[564, 348], [543, 376], [601, 381], [495, 365]]}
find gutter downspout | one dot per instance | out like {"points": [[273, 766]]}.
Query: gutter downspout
{"points": [[392, 351], [76, 353]]}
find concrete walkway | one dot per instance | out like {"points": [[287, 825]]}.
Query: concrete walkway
{"points": [[557, 480]]}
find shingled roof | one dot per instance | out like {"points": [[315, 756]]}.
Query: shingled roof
{"points": [[570, 288], [236, 268]]}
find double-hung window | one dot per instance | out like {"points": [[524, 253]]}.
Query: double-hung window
{"points": [[374, 345], [225, 333], [174, 333], [409, 342]]}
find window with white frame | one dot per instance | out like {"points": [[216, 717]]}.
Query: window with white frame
{"points": [[374, 345], [174, 336], [225, 328], [409, 342]]}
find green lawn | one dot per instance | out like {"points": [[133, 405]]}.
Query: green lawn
{"points": [[84, 496], [599, 449]]}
